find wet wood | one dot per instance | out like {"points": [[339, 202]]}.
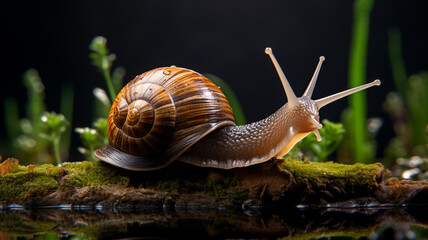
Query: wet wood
{"points": [[285, 183]]}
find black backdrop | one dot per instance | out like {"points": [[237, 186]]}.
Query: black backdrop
{"points": [[226, 38]]}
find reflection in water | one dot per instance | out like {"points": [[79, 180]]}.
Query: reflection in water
{"points": [[213, 224]]}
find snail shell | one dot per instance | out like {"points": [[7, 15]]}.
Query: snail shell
{"points": [[159, 115]]}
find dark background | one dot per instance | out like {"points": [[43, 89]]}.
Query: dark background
{"points": [[226, 38]]}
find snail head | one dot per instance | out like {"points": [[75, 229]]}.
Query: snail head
{"points": [[304, 108]]}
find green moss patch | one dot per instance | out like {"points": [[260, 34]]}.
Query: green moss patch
{"points": [[318, 174], [223, 186], [92, 174], [25, 184]]}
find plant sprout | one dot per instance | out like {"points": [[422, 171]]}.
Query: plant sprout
{"points": [[93, 138], [103, 61], [55, 124]]}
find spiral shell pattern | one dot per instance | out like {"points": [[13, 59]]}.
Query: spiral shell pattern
{"points": [[165, 111], [142, 119]]}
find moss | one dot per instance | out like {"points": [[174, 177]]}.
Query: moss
{"points": [[217, 187], [318, 174], [172, 186], [91, 174], [223, 186], [30, 185], [23, 184], [239, 194], [38, 182]]}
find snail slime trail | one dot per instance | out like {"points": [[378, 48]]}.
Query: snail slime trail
{"points": [[174, 113]]}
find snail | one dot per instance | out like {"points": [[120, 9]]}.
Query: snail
{"points": [[173, 113]]}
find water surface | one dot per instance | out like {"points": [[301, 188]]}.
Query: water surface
{"points": [[83, 222]]}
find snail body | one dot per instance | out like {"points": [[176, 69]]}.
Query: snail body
{"points": [[173, 113]]}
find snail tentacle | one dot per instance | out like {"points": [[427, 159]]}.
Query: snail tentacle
{"points": [[291, 97], [311, 86], [327, 100]]}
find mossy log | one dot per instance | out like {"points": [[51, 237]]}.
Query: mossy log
{"points": [[181, 186]]}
